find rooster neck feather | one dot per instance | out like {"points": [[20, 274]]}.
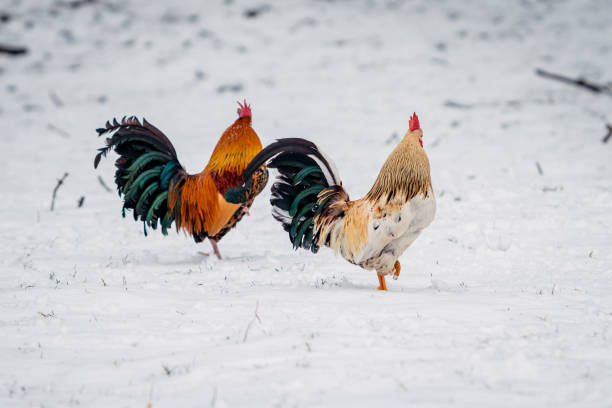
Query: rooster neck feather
{"points": [[234, 151], [404, 175]]}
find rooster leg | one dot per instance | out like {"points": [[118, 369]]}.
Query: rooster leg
{"points": [[382, 285], [213, 243], [397, 268]]}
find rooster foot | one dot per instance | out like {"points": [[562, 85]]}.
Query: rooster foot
{"points": [[382, 285], [397, 268]]}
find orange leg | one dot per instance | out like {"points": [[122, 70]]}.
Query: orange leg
{"points": [[397, 268], [382, 285], [215, 248]]}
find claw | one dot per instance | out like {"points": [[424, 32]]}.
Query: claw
{"points": [[397, 268]]}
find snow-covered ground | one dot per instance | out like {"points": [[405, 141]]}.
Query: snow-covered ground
{"points": [[505, 300]]}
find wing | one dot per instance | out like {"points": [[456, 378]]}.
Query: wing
{"points": [[246, 193], [246, 196]]}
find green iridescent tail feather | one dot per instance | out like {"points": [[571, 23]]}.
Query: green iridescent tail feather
{"points": [[306, 174], [147, 168]]}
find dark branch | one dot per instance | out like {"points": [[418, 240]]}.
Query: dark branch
{"points": [[57, 130], [609, 135], [539, 168], [107, 188], [75, 4], [59, 183], [56, 99], [583, 83], [12, 50]]}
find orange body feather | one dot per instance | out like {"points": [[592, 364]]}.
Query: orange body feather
{"points": [[198, 202]]}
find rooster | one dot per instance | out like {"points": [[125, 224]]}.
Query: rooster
{"points": [[157, 188], [309, 201]]}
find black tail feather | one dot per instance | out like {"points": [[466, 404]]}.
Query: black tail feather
{"points": [[146, 167], [304, 173], [293, 148]]}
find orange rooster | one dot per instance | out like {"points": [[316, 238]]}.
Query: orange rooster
{"points": [[158, 189], [372, 232]]}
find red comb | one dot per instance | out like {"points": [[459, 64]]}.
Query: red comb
{"points": [[244, 109], [414, 122]]}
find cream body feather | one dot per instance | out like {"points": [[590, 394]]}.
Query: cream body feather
{"points": [[375, 230], [387, 235]]}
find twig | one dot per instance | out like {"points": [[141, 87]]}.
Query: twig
{"points": [[81, 202], [609, 135], [56, 99], [539, 168], [593, 87], [107, 188], [255, 318], [76, 3], [12, 50], [256, 11], [213, 400], [79, 3], [57, 130], [59, 183], [457, 105]]}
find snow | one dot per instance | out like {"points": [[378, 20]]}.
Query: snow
{"points": [[503, 301]]}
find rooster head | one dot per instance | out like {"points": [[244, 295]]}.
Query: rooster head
{"points": [[244, 109], [414, 125]]}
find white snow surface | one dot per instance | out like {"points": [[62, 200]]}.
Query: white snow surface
{"points": [[505, 300]]}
